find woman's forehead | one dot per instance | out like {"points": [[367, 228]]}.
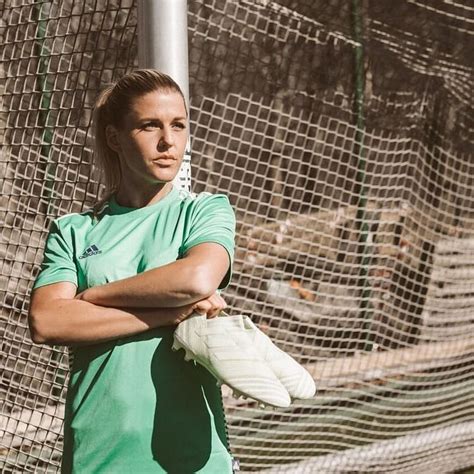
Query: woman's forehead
{"points": [[159, 102]]}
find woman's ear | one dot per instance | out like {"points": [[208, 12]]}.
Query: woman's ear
{"points": [[111, 135]]}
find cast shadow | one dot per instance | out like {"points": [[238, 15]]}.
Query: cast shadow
{"points": [[181, 440]]}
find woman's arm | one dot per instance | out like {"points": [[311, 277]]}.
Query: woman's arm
{"points": [[194, 277], [56, 317]]}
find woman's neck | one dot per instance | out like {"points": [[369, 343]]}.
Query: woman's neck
{"points": [[134, 197]]}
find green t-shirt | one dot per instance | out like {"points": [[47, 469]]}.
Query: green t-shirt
{"points": [[133, 404]]}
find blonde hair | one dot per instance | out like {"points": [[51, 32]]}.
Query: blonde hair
{"points": [[112, 104]]}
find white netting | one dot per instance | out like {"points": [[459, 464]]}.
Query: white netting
{"points": [[341, 133]]}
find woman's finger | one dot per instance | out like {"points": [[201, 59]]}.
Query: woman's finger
{"points": [[210, 306], [213, 312], [218, 304], [203, 306], [217, 300], [223, 304]]}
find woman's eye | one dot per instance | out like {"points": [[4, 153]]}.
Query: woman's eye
{"points": [[149, 125], [179, 126]]}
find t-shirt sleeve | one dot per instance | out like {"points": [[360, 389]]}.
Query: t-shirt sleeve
{"points": [[58, 263], [212, 220]]}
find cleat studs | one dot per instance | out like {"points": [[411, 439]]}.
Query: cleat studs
{"points": [[188, 356]]}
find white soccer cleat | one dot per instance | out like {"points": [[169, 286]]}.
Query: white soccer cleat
{"points": [[295, 378], [224, 348]]}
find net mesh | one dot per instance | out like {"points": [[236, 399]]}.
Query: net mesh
{"points": [[340, 131]]}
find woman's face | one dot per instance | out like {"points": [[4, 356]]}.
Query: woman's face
{"points": [[152, 138]]}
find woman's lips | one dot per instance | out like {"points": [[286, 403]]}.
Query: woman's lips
{"points": [[164, 160]]}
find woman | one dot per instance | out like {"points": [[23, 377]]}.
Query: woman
{"points": [[117, 279]]}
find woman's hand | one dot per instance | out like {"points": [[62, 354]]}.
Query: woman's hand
{"points": [[211, 307], [80, 296]]}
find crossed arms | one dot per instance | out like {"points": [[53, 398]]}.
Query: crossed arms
{"points": [[159, 297]]}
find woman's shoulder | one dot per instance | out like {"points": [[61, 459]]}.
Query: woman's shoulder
{"points": [[205, 207], [86, 217], [202, 199]]}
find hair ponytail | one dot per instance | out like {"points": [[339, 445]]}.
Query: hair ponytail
{"points": [[105, 159]]}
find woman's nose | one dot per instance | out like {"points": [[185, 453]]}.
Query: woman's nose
{"points": [[166, 139]]}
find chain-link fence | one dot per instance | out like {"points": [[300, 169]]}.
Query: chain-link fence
{"points": [[341, 132]]}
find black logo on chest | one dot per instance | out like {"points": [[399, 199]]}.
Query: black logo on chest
{"points": [[92, 250]]}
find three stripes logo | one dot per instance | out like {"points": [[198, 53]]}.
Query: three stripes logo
{"points": [[92, 250]]}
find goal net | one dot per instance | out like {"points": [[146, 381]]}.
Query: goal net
{"points": [[341, 133]]}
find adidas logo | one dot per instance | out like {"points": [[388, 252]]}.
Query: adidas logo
{"points": [[92, 250]]}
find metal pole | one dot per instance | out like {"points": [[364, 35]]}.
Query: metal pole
{"points": [[163, 45], [361, 216], [42, 12]]}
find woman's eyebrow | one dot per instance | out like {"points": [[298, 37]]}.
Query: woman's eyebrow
{"points": [[156, 119]]}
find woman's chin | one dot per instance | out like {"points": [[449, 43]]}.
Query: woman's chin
{"points": [[165, 172], [165, 176]]}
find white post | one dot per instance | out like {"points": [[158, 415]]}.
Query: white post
{"points": [[163, 45]]}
